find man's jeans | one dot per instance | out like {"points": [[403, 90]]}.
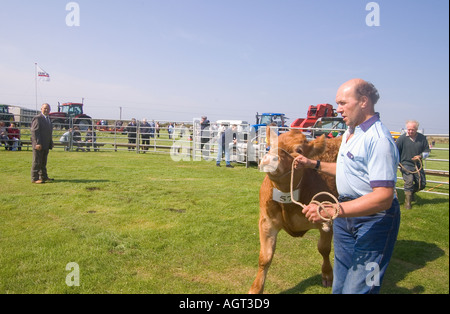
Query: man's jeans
{"points": [[363, 247], [226, 149]]}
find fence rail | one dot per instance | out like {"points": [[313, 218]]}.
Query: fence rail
{"points": [[185, 140]]}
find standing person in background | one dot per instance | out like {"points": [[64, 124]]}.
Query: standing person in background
{"points": [[132, 133], [152, 129], [413, 147], [170, 130], [204, 131], [145, 134], [205, 136], [157, 128], [42, 142], [225, 138]]}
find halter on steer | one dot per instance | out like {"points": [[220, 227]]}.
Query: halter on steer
{"points": [[328, 221]]}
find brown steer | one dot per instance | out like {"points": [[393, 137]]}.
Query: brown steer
{"points": [[278, 212]]}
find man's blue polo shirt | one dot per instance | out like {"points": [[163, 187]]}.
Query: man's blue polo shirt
{"points": [[368, 160]]}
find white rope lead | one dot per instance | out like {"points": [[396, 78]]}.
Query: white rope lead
{"points": [[328, 221]]}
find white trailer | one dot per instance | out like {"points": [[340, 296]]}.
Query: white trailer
{"points": [[23, 116]]}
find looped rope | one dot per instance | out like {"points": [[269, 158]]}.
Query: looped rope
{"points": [[415, 165], [418, 169], [328, 221], [322, 206]]}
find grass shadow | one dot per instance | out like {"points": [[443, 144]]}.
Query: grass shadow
{"points": [[86, 181], [420, 199], [408, 257], [302, 286]]}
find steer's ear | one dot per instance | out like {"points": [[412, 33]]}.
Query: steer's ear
{"points": [[317, 146], [271, 136], [268, 134]]}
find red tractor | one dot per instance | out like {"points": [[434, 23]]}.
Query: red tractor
{"points": [[70, 115], [314, 113]]}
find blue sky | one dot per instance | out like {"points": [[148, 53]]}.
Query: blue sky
{"points": [[227, 59]]}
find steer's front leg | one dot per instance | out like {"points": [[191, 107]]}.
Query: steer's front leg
{"points": [[324, 247], [268, 239]]}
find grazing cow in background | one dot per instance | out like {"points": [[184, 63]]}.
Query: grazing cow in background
{"points": [[278, 212]]}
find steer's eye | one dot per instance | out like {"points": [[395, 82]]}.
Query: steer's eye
{"points": [[299, 150]]}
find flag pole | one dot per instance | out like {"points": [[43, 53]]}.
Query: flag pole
{"points": [[35, 82]]}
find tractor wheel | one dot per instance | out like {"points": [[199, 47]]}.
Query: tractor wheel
{"points": [[83, 124], [59, 124]]}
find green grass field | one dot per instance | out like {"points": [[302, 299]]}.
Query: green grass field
{"points": [[142, 223]]}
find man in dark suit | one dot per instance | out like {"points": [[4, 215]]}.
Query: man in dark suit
{"points": [[42, 142]]}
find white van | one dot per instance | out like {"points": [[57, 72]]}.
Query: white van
{"points": [[242, 126]]}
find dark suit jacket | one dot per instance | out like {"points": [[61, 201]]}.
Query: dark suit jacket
{"points": [[41, 132]]}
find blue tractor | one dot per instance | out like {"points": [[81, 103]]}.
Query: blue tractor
{"points": [[264, 119], [257, 144]]}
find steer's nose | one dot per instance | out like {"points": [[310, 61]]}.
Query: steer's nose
{"points": [[269, 163]]}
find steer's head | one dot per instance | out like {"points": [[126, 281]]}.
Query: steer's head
{"points": [[285, 147]]}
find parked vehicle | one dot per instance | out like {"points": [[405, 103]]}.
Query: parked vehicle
{"points": [[23, 116], [268, 118], [330, 126], [313, 114], [70, 115], [5, 115]]}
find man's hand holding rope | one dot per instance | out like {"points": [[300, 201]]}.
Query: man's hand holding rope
{"points": [[317, 212], [302, 162]]}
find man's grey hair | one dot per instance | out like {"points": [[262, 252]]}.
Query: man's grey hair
{"points": [[412, 121]]}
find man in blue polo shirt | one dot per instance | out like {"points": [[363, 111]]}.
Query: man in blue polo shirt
{"points": [[366, 228]]}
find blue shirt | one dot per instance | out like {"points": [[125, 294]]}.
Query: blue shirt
{"points": [[368, 160]]}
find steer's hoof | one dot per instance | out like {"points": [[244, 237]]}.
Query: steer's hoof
{"points": [[327, 283]]}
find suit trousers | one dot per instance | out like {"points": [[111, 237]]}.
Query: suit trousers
{"points": [[39, 165]]}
